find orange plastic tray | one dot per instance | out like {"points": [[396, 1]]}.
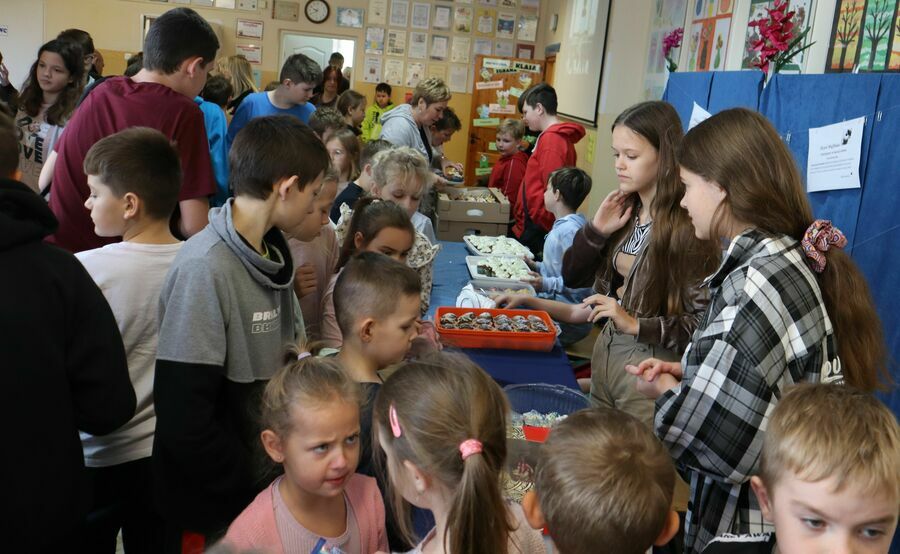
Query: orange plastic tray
{"points": [[476, 338]]}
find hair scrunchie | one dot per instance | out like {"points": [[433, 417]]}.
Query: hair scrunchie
{"points": [[819, 237], [469, 447]]}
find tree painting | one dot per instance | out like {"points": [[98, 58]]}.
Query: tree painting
{"points": [[877, 24], [845, 35], [894, 61]]}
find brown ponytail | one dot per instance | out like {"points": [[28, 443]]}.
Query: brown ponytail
{"points": [[741, 151], [440, 401]]}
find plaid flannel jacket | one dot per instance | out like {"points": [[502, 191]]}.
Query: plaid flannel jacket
{"points": [[766, 328]]}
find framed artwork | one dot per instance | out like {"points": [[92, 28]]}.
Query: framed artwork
{"points": [[421, 16], [399, 13], [285, 10], [441, 17], [525, 51], [351, 17], [249, 28]]}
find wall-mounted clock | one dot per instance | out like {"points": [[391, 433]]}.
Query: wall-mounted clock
{"points": [[317, 11]]}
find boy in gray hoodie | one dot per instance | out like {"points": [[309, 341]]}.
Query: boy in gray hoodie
{"points": [[227, 309]]}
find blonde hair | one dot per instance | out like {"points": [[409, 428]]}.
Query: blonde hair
{"points": [[401, 162], [604, 478], [304, 380], [742, 152], [238, 71], [432, 90], [512, 127], [351, 146], [441, 400], [822, 431]]}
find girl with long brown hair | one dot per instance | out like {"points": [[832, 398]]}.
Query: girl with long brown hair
{"points": [[787, 306], [441, 422], [640, 255], [46, 103]]}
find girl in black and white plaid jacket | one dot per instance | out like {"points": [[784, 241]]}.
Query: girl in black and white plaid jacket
{"points": [[774, 318]]}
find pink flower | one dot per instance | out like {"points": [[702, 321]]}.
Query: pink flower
{"points": [[776, 31], [672, 40]]}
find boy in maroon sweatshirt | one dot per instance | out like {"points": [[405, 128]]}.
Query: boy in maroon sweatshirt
{"points": [[555, 148]]}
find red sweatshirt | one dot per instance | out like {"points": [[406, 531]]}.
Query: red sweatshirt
{"points": [[507, 175], [555, 148]]}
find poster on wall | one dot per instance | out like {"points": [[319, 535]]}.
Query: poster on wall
{"points": [[442, 17], [415, 72], [378, 12], [708, 35], [504, 49], [418, 45], [395, 45], [530, 4], [399, 13], [484, 22], [374, 40], [803, 18], [350, 17], [372, 69], [668, 15], [483, 46], [421, 16], [459, 52], [459, 78], [252, 52], [506, 25], [864, 36], [248, 28], [437, 70], [393, 71], [440, 47], [527, 27], [462, 19]]}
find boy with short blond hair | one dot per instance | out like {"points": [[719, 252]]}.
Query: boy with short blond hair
{"points": [[227, 309], [604, 483], [134, 177], [509, 171], [829, 476], [299, 76]]}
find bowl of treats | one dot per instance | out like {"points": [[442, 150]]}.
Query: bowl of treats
{"points": [[453, 174], [495, 328]]}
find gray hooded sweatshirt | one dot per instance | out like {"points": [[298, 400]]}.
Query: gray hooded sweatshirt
{"points": [[399, 128]]}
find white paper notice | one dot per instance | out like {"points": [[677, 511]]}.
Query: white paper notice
{"points": [[698, 116], [834, 153]]}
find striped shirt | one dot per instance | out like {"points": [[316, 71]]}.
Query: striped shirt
{"points": [[766, 328]]}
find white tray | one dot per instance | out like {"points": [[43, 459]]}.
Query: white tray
{"points": [[498, 286], [516, 263], [474, 250]]}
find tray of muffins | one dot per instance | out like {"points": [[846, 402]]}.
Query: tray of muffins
{"points": [[495, 328]]}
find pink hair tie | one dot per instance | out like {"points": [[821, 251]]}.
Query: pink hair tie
{"points": [[819, 237], [395, 422], [302, 355], [469, 447]]}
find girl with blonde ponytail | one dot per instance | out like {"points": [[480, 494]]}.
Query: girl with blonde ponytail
{"points": [[441, 421]]}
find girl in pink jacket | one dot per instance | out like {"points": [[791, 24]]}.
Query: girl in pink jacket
{"points": [[310, 413]]}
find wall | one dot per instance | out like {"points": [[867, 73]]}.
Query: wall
{"points": [[115, 27], [621, 85]]}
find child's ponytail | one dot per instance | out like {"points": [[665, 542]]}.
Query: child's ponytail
{"points": [[447, 416], [478, 520]]}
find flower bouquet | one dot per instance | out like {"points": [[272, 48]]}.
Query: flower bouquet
{"points": [[778, 41], [671, 41]]}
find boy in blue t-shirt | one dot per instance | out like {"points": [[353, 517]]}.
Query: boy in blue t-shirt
{"points": [[299, 76]]}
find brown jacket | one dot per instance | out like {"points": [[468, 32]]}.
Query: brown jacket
{"points": [[589, 263]]}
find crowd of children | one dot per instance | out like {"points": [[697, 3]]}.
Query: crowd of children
{"points": [[257, 386]]}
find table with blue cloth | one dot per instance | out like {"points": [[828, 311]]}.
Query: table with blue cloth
{"points": [[505, 366]]}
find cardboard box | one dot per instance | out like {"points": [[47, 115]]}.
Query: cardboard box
{"points": [[457, 209], [456, 230]]}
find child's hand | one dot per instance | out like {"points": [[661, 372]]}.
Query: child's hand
{"points": [[612, 214], [532, 265], [606, 306], [535, 280], [655, 376], [510, 301], [306, 280]]}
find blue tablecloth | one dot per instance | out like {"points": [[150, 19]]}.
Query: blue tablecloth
{"points": [[505, 366]]}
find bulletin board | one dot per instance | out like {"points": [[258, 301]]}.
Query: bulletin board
{"points": [[499, 82]]}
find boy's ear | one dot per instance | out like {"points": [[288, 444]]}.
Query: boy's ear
{"points": [[366, 330], [132, 205], [763, 496], [532, 508], [273, 445], [192, 66], [669, 530], [285, 185]]}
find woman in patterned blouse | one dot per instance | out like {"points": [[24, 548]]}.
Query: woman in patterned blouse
{"points": [[774, 318]]}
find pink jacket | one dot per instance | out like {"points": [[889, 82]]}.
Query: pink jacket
{"points": [[255, 528]]}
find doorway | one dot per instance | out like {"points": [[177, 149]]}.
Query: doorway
{"points": [[318, 48]]}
